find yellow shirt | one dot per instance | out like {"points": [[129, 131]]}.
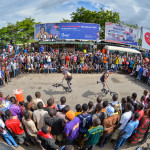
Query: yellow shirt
{"points": [[117, 60], [82, 60], [77, 113]]}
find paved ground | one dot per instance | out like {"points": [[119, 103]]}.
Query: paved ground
{"points": [[84, 89]]}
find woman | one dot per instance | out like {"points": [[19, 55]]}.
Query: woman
{"points": [[142, 128]]}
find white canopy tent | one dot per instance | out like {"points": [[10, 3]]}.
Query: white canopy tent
{"points": [[122, 49]]}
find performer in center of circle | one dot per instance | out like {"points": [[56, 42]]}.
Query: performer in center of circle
{"points": [[67, 75], [105, 76]]}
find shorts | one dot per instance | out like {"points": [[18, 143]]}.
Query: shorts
{"points": [[68, 78], [116, 134]]}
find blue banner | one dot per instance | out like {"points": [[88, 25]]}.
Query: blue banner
{"points": [[54, 31]]}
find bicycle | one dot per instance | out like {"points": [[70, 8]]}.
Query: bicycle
{"points": [[105, 91], [67, 89]]}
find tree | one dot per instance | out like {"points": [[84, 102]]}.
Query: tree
{"points": [[99, 17]]}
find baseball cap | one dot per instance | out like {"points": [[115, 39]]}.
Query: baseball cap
{"points": [[70, 115], [110, 110]]}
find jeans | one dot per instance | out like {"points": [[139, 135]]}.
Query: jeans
{"points": [[45, 70], [53, 70], [139, 76], [104, 139], [9, 139], [79, 70], [116, 67], [14, 71], [120, 142], [1, 82], [21, 137], [89, 147]]}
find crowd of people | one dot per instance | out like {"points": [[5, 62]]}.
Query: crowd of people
{"points": [[78, 62], [56, 126]]}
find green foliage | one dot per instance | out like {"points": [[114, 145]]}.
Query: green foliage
{"points": [[22, 31], [99, 17]]}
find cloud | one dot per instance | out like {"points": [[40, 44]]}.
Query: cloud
{"points": [[131, 12]]}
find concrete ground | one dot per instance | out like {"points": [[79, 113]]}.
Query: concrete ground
{"points": [[84, 87]]}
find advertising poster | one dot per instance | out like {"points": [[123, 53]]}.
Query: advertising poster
{"points": [[146, 38], [116, 33], [79, 31]]}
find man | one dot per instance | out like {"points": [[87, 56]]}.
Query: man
{"points": [[15, 109], [93, 134], [108, 124], [15, 126], [114, 100], [56, 123], [105, 76], [38, 115], [71, 129], [67, 77], [127, 132], [123, 121]]}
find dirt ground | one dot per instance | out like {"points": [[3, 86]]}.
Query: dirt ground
{"points": [[84, 88]]}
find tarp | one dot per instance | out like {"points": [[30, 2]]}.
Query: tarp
{"points": [[122, 49]]}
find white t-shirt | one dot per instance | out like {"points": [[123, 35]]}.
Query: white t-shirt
{"points": [[60, 106], [124, 119], [145, 72], [3, 126], [138, 67]]}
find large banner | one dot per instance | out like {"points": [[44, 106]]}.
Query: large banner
{"points": [[80, 31], [121, 34], [146, 38]]}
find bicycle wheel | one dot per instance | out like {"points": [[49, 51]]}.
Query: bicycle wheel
{"points": [[56, 85], [112, 93]]}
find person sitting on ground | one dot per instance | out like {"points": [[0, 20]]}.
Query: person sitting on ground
{"points": [[91, 109], [128, 130], [85, 118], [63, 101], [105, 104], [93, 135], [56, 123], [99, 114], [47, 140], [123, 121], [15, 127], [38, 116], [109, 125], [63, 113], [38, 99], [7, 136], [71, 129], [78, 110], [15, 109], [30, 126]]}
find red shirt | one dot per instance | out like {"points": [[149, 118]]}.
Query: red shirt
{"points": [[141, 112], [67, 58], [53, 106], [14, 125]]}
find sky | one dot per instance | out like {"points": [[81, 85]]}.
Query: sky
{"points": [[50, 11]]}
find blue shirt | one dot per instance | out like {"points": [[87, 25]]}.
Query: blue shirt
{"points": [[131, 64], [86, 122], [131, 126], [42, 49], [141, 70]]}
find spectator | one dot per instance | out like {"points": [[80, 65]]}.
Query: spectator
{"points": [[38, 116], [38, 99], [127, 132], [15, 127], [93, 134], [47, 140], [71, 129], [60, 107], [78, 110]]}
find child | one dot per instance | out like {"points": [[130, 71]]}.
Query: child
{"points": [[46, 138], [91, 109], [127, 132], [50, 104], [142, 100], [60, 107], [78, 110], [7, 136]]}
